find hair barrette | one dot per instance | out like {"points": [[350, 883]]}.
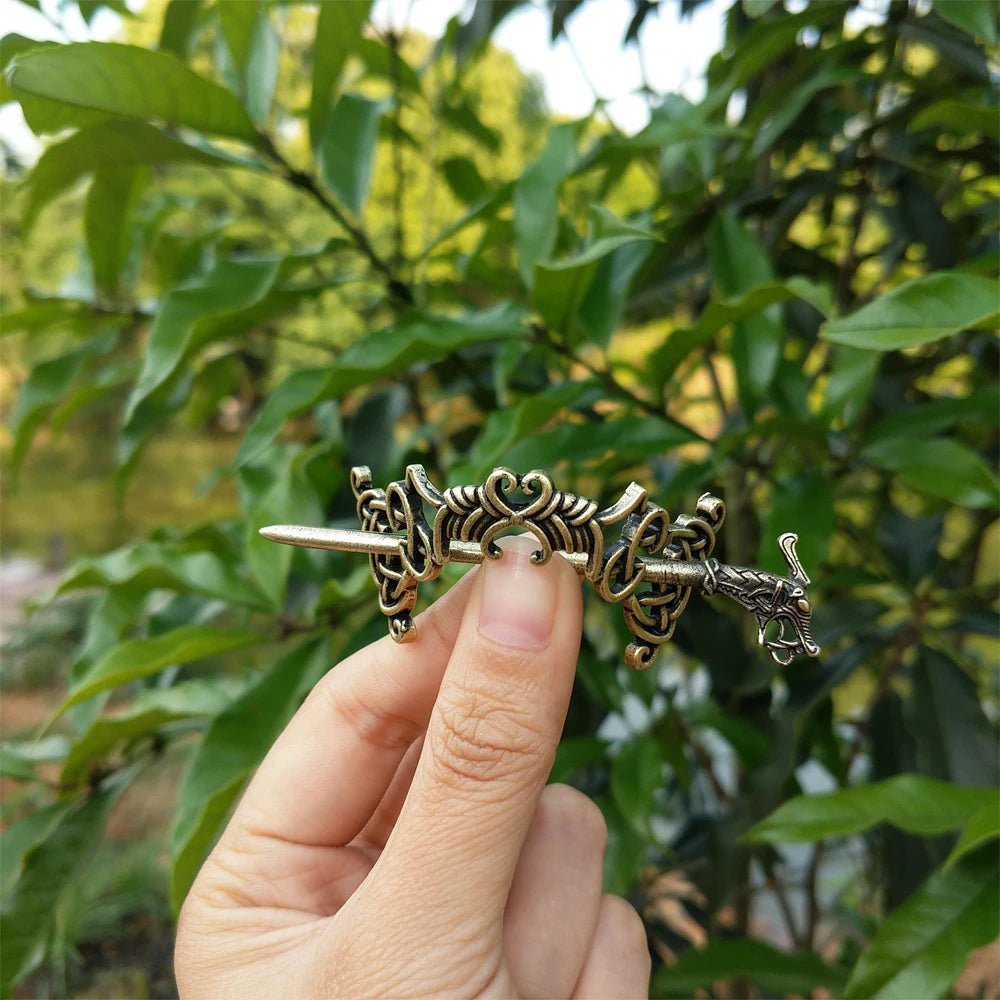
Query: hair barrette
{"points": [[650, 569]]}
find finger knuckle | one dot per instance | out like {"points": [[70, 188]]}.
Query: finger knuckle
{"points": [[484, 740], [368, 718]]}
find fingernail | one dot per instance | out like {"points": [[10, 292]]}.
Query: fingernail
{"points": [[518, 603]]}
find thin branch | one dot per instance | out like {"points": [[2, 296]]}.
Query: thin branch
{"points": [[399, 236], [398, 289], [606, 376]]}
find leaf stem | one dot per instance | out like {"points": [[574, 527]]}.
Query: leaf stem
{"points": [[607, 378], [399, 291]]}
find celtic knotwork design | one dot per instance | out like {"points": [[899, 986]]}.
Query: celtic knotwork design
{"points": [[650, 569], [399, 508], [652, 614]]}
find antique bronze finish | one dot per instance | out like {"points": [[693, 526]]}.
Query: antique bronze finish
{"points": [[650, 569]]}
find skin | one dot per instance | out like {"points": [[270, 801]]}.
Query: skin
{"points": [[399, 839]]}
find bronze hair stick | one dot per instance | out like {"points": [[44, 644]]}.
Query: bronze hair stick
{"points": [[650, 569]]}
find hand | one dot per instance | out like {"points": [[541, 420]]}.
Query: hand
{"points": [[399, 840]]}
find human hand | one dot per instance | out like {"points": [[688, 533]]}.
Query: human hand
{"points": [[399, 840]]}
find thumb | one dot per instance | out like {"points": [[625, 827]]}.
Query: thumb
{"points": [[490, 743]]}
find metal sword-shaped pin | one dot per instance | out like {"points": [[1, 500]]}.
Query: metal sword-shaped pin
{"points": [[651, 569]]}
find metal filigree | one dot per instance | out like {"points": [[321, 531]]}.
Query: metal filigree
{"points": [[650, 568]]}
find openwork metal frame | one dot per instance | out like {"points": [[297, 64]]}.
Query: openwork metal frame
{"points": [[411, 529]]}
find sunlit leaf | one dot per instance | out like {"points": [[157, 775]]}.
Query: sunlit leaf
{"points": [[919, 312], [137, 658], [130, 82], [338, 31]]}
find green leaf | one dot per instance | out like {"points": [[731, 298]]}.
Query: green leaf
{"points": [[794, 103], [230, 286], [338, 31], [48, 382], [575, 754], [920, 948], [536, 201], [954, 739], [150, 711], [939, 467], [276, 490], [108, 145], [137, 658], [461, 116], [636, 774], [233, 746], [559, 287], [130, 82], [958, 118], [920, 312], [719, 313], [982, 827], [10, 45], [503, 429], [464, 179], [851, 376], [255, 47], [801, 502], [22, 836], [26, 912], [627, 440], [346, 149], [389, 352], [602, 306], [977, 17], [180, 21], [109, 218], [382, 61], [739, 263], [776, 972], [909, 801], [981, 405]]}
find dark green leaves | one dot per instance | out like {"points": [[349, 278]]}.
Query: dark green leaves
{"points": [[739, 263], [909, 801], [48, 868], [233, 746], [560, 287], [939, 467], [230, 286], [921, 947], [130, 82], [778, 972], [920, 312], [141, 657], [391, 351]]}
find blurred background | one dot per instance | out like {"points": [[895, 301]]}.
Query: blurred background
{"points": [[748, 247]]}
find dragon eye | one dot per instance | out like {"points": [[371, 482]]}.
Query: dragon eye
{"points": [[803, 605]]}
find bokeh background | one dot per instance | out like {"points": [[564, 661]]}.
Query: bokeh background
{"points": [[743, 246]]}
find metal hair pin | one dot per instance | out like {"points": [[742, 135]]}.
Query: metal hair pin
{"points": [[650, 569]]}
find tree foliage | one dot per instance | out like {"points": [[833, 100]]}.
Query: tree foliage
{"points": [[784, 292]]}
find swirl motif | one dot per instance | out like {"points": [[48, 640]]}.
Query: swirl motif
{"points": [[560, 521]]}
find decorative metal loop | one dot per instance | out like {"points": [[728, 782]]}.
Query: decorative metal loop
{"points": [[650, 569]]}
